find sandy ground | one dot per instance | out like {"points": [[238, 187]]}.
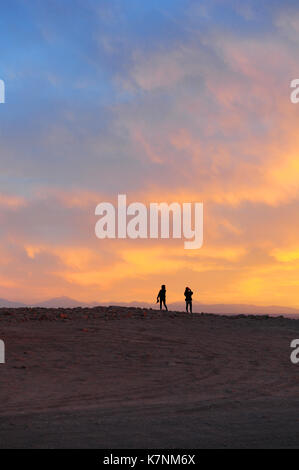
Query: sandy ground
{"points": [[133, 378]]}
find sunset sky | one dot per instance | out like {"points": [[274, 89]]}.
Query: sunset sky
{"points": [[162, 100]]}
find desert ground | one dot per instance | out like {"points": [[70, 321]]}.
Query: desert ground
{"points": [[115, 377]]}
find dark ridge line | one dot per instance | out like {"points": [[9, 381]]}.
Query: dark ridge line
{"points": [[115, 309]]}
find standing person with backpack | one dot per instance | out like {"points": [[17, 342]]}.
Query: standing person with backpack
{"points": [[162, 297], [188, 297]]}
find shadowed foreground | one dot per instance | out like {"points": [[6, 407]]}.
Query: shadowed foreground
{"points": [[132, 378]]}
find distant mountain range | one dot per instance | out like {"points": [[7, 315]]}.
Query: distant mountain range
{"points": [[9, 304], [62, 302], [66, 302]]}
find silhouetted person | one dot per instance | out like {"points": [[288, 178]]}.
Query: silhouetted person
{"points": [[162, 297], [188, 296]]}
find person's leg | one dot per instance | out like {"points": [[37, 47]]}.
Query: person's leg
{"points": [[165, 305], [160, 304], [187, 306], [191, 306]]}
